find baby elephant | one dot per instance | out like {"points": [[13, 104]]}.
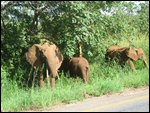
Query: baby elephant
{"points": [[125, 54], [77, 66]]}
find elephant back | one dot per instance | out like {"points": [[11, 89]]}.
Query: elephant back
{"points": [[84, 61], [113, 48], [79, 60]]}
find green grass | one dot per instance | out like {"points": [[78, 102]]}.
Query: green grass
{"points": [[104, 79]]}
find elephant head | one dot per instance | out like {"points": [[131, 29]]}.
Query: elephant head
{"points": [[48, 54], [135, 54]]}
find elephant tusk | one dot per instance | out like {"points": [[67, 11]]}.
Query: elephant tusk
{"points": [[46, 72]]}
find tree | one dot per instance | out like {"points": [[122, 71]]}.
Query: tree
{"points": [[66, 23]]}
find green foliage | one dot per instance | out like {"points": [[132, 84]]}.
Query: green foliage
{"points": [[4, 75], [74, 24], [136, 79], [67, 23]]}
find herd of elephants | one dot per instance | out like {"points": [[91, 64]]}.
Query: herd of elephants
{"points": [[50, 55]]}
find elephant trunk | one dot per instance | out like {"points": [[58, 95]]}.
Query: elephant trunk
{"points": [[146, 64], [52, 83], [53, 71]]}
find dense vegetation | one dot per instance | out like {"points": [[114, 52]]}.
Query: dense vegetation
{"points": [[96, 24]]}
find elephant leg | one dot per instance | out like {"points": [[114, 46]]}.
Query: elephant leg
{"points": [[71, 73], [84, 75], [33, 77], [29, 76], [87, 75], [87, 79], [41, 82], [84, 79], [131, 65], [57, 75]]}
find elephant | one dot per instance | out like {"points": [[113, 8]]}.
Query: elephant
{"points": [[48, 54], [77, 66], [123, 54]]}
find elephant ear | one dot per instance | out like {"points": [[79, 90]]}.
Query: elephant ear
{"points": [[33, 56], [140, 52], [59, 55], [131, 53], [142, 55]]}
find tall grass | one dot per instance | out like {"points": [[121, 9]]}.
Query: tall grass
{"points": [[104, 79], [71, 90]]}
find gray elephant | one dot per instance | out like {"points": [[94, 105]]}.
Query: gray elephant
{"points": [[77, 66], [48, 54]]}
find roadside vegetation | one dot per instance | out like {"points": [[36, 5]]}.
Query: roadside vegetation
{"points": [[66, 24]]}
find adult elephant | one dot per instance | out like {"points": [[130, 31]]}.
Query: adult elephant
{"points": [[123, 54], [48, 54], [77, 66]]}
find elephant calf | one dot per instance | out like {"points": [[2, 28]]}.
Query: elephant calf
{"points": [[77, 66], [124, 54]]}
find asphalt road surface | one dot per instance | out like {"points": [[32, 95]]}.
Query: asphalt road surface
{"points": [[133, 100]]}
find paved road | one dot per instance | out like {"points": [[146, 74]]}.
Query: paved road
{"points": [[135, 100]]}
